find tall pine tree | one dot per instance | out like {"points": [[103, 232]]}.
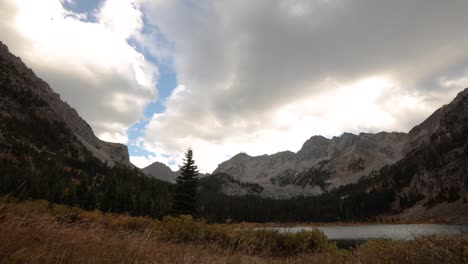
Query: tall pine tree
{"points": [[185, 196]]}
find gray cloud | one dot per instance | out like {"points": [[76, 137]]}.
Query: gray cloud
{"points": [[242, 61]]}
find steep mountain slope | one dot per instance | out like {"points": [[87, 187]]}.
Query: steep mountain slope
{"points": [[431, 180], [321, 164], [48, 152], [436, 168], [222, 183], [20, 85]]}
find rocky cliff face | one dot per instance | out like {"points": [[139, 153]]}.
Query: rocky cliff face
{"points": [[19, 81], [321, 164], [435, 170], [226, 184]]}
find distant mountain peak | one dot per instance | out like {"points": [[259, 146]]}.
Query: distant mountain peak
{"points": [[241, 155], [160, 171], [163, 172]]}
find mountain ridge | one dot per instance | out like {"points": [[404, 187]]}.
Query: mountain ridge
{"points": [[111, 153], [339, 161], [323, 164]]}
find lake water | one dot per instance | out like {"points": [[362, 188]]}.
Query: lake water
{"points": [[367, 232]]}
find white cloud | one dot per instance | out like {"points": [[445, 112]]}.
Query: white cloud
{"points": [[372, 105], [121, 17], [263, 76], [90, 64]]}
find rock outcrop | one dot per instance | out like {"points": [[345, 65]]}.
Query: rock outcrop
{"points": [[435, 169], [321, 164]]}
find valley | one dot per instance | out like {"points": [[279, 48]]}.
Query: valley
{"points": [[67, 196], [421, 174]]}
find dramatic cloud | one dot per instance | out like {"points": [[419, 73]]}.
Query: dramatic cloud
{"points": [[263, 76], [254, 76], [88, 62]]}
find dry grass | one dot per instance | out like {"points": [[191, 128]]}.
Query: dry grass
{"points": [[430, 249], [33, 232]]}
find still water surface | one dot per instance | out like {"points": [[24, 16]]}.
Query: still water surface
{"points": [[366, 232]]}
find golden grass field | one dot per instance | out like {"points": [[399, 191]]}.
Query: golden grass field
{"points": [[36, 232]]}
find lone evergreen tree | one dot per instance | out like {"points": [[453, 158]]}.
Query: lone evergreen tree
{"points": [[184, 200]]}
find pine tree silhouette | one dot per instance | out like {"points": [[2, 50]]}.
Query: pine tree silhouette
{"points": [[185, 196]]}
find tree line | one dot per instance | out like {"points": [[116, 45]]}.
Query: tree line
{"points": [[93, 185]]}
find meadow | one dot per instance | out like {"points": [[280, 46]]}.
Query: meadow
{"points": [[40, 232]]}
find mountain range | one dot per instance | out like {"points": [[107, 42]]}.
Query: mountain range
{"points": [[320, 165], [324, 164], [421, 169]]}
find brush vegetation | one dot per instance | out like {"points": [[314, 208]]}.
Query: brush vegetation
{"points": [[41, 232]]}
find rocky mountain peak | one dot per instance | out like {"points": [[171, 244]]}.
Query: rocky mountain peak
{"points": [[444, 118], [315, 141], [344, 141], [160, 171], [241, 156], [314, 148], [320, 164]]}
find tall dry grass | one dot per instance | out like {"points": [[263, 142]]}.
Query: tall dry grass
{"points": [[35, 232], [428, 249]]}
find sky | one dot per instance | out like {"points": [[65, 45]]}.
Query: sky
{"points": [[224, 76]]}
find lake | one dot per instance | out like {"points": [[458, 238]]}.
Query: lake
{"points": [[352, 235]]}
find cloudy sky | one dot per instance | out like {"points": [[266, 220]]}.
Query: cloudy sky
{"points": [[229, 76]]}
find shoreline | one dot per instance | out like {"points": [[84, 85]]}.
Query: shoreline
{"points": [[439, 221]]}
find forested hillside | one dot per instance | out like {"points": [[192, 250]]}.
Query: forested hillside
{"points": [[42, 157]]}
